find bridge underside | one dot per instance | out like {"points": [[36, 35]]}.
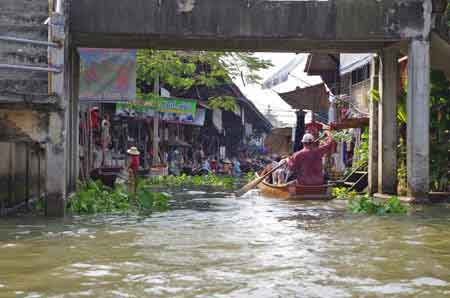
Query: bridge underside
{"points": [[99, 40], [257, 25]]}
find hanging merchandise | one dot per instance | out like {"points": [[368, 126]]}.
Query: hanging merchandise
{"points": [[248, 129], [222, 152], [217, 119], [166, 134], [339, 158]]}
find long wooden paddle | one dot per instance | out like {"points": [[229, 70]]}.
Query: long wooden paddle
{"points": [[257, 181]]}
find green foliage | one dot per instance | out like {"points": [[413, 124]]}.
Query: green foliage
{"points": [[343, 193], [38, 205], [94, 197], [367, 205], [439, 128], [226, 103], [148, 200], [375, 94], [341, 136], [439, 134], [402, 116], [364, 204], [180, 71], [249, 177], [184, 181], [362, 153], [183, 70], [448, 13]]}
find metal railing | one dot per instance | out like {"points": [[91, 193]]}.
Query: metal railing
{"points": [[29, 67], [30, 41]]}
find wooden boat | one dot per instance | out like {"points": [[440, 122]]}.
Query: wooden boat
{"points": [[296, 192]]}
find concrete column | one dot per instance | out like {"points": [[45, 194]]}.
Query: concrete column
{"points": [[387, 122], [56, 165], [75, 156], [418, 146], [58, 145], [373, 126]]}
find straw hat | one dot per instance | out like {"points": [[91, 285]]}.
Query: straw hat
{"points": [[227, 161], [133, 151]]}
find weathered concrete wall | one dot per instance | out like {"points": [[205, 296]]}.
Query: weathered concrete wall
{"points": [[31, 109], [23, 117], [25, 19], [352, 25], [21, 173], [24, 125]]}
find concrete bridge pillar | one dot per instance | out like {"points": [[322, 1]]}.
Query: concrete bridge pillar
{"points": [[418, 108], [387, 122], [56, 166], [373, 127]]}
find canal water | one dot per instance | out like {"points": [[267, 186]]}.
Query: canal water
{"points": [[214, 245]]}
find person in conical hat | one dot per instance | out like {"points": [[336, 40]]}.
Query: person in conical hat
{"points": [[133, 151], [133, 166]]}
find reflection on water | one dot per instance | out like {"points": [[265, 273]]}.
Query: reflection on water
{"points": [[213, 245]]}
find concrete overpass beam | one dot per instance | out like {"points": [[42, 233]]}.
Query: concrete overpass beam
{"points": [[387, 122], [418, 148]]}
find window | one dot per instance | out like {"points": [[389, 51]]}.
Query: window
{"points": [[361, 74]]}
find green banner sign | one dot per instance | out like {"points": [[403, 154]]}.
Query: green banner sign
{"points": [[171, 105]]}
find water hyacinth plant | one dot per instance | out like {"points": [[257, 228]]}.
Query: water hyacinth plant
{"points": [[358, 203], [184, 181], [367, 205], [93, 197]]}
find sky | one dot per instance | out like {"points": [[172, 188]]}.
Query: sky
{"points": [[265, 98]]}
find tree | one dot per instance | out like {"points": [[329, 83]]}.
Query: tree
{"points": [[448, 13], [439, 134], [181, 70]]}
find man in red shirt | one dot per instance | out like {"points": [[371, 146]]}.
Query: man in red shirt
{"points": [[307, 163]]}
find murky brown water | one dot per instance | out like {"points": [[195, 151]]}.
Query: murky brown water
{"points": [[212, 245]]}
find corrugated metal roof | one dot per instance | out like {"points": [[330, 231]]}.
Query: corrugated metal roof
{"points": [[282, 75], [350, 62]]}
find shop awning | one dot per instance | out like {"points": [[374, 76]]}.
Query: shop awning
{"points": [[313, 98], [179, 143]]}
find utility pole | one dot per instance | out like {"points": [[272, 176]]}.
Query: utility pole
{"points": [[156, 90]]}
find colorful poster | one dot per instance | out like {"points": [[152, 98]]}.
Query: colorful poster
{"points": [[107, 74]]}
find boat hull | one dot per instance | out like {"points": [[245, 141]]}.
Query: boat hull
{"points": [[296, 192]]}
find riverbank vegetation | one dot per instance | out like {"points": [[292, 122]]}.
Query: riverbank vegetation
{"points": [[363, 203], [208, 181], [94, 197]]}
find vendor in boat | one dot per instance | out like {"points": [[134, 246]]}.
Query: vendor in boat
{"points": [[306, 164]]}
